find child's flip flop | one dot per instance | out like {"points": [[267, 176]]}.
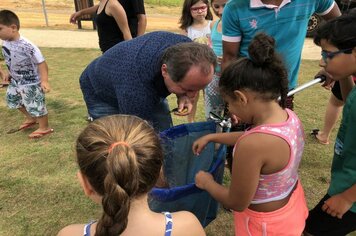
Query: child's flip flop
{"points": [[40, 134], [22, 127]]}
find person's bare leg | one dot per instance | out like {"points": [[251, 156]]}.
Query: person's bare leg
{"points": [[43, 128], [332, 113], [43, 123], [191, 116], [28, 118]]}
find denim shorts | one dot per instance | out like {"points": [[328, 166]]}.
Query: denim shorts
{"points": [[30, 96]]}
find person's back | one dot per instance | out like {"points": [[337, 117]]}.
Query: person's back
{"points": [[133, 65], [120, 158], [265, 192]]}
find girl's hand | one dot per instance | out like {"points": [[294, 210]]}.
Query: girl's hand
{"points": [[199, 145], [202, 179], [337, 205], [45, 87]]}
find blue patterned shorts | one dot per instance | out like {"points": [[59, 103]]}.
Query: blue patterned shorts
{"points": [[29, 96]]}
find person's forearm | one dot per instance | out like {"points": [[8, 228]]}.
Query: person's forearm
{"points": [[142, 23], [350, 194], [43, 71], [225, 138], [218, 192], [89, 11]]}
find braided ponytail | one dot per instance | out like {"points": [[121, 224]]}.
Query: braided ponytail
{"points": [[121, 156]]}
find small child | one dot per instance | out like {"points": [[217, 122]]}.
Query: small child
{"points": [[119, 159], [28, 73], [213, 100], [265, 191], [335, 214], [195, 23]]}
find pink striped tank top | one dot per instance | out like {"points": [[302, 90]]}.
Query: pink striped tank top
{"points": [[279, 185]]}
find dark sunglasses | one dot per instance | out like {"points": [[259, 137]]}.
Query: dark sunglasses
{"points": [[330, 55]]}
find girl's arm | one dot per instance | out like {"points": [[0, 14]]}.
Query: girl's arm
{"points": [[43, 72], [115, 10], [224, 138], [245, 176]]}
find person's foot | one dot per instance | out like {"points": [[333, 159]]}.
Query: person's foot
{"points": [[319, 136], [39, 133], [27, 124]]}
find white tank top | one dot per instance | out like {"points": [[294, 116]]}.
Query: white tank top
{"points": [[193, 33]]}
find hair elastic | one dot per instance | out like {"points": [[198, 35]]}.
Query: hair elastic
{"points": [[118, 143]]}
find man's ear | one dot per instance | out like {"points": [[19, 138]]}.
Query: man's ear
{"points": [[240, 96], [86, 186], [164, 70]]}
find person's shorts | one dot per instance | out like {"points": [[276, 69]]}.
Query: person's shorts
{"points": [[29, 96], [288, 220], [321, 223]]}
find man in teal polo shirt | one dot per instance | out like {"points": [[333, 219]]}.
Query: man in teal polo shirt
{"points": [[285, 20]]}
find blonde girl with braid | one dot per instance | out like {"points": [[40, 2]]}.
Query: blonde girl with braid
{"points": [[119, 159]]}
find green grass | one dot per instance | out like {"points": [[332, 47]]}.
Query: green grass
{"points": [[39, 193]]}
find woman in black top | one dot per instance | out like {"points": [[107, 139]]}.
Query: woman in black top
{"points": [[111, 22]]}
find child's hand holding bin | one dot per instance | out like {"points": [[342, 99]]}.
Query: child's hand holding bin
{"points": [[200, 144], [202, 179]]}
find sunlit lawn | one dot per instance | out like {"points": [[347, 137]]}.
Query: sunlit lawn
{"points": [[39, 193]]}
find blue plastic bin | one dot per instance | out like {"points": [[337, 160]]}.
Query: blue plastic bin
{"points": [[180, 168]]}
